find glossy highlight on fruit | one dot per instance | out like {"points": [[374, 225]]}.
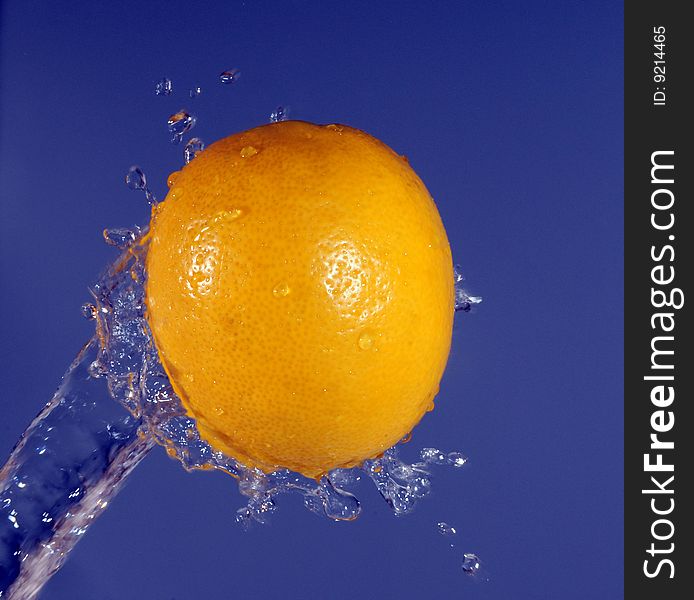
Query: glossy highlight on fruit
{"points": [[300, 293]]}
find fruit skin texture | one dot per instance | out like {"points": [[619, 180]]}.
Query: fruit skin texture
{"points": [[300, 293]]}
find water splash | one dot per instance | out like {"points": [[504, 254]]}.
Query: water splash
{"points": [[179, 124], [164, 87], [136, 180], [229, 76], [76, 454], [137, 380], [464, 302], [281, 113]]}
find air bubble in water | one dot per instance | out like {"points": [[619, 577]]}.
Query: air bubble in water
{"points": [[192, 149], [229, 76], [164, 87], [281, 113], [179, 124]]}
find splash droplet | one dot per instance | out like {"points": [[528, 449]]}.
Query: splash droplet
{"points": [[164, 87], [135, 179], [471, 564], [281, 290], [247, 151], [463, 301], [89, 311], [195, 92], [193, 148], [119, 237], [229, 76], [433, 456], [179, 124], [446, 529], [366, 341], [281, 113], [456, 459]]}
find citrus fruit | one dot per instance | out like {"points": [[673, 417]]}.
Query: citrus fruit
{"points": [[300, 294]]}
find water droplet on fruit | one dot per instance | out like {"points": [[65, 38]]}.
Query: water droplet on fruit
{"points": [[172, 178], [229, 76], [164, 87], [281, 290], [366, 342], [247, 151], [218, 410]]}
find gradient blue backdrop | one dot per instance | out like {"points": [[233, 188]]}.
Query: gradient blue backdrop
{"points": [[511, 112]]}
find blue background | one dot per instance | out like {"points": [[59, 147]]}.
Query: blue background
{"points": [[511, 112]]}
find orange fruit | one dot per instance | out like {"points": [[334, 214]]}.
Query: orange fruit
{"points": [[300, 293]]}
